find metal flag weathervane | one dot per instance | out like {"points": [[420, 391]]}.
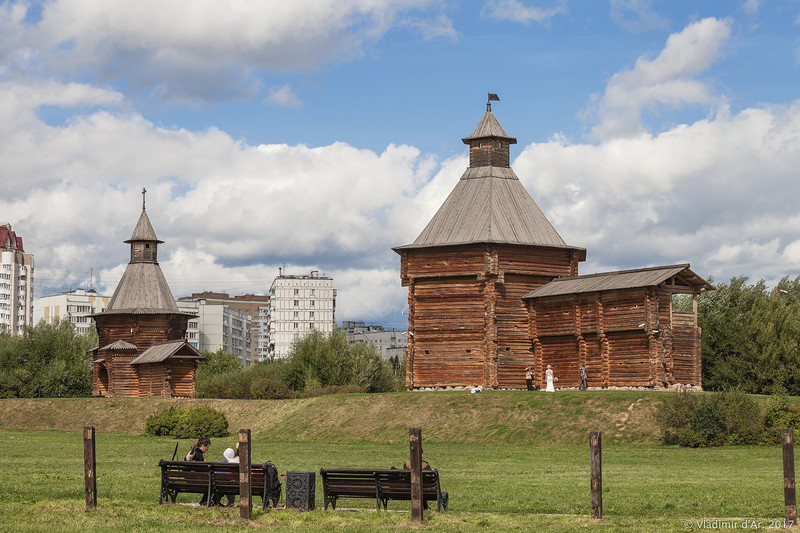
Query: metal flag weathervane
{"points": [[494, 97]]}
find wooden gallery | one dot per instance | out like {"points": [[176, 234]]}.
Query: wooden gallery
{"points": [[142, 350], [493, 289]]}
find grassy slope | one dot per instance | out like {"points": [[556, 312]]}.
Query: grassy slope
{"points": [[490, 417]]}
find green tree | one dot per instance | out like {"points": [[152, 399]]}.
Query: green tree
{"points": [[216, 363], [46, 360], [751, 336], [320, 360]]}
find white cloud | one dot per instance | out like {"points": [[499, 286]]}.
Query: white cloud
{"points": [[720, 193], [284, 97], [669, 80], [636, 15], [197, 50], [516, 11]]}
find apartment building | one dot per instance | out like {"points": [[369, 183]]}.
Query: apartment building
{"points": [[77, 305], [218, 326], [298, 304], [16, 282]]}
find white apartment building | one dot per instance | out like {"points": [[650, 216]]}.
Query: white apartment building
{"points": [[218, 327], [298, 305], [388, 343], [16, 282], [76, 305]]}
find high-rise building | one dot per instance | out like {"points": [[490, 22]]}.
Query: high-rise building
{"points": [[252, 308], [218, 326], [16, 282], [298, 305], [77, 306]]}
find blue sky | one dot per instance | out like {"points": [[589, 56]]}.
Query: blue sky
{"points": [[319, 134]]}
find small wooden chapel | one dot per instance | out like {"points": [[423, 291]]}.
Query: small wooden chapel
{"points": [[142, 350], [493, 289]]}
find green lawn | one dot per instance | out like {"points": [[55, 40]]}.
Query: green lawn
{"points": [[492, 487]]}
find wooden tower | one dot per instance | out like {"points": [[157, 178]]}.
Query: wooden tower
{"points": [[487, 247], [142, 348]]}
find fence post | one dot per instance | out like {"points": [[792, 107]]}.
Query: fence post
{"points": [[595, 460], [245, 487], [789, 498], [89, 467], [415, 443]]}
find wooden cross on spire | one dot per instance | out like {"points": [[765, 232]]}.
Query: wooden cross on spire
{"points": [[144, 191]]}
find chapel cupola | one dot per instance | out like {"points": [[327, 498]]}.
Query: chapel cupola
{"points": [[144, 243], [489, 143]]}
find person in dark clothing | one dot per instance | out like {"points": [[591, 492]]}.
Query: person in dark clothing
{"points": [[196, 454], [197, 451], [529, 378]]}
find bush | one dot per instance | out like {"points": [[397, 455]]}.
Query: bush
{"points": [[187, 423], [270, 389], [711, 419]]}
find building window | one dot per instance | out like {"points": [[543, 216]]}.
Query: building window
{"points": [[296, 325], [312, 303], [311, 313], [297, 292], [297, 303], [296, 314], [311, 325], [312, 292]]}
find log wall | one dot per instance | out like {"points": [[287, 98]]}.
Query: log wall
{"points": [[467, 321], [143, 331], [624, 338]]}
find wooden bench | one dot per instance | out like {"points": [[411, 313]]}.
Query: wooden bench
{"points": [[213, 480], [382, 485]]}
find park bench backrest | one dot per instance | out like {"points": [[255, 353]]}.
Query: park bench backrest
{"points": [[381, 484]]}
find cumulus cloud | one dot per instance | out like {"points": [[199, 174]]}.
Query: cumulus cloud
{"points": [[714, 193], [197, 50], [516, 11], [230, 212], [669, 80]]}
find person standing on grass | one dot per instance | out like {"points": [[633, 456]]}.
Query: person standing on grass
{"points": [[528, 378], [551, 379]]}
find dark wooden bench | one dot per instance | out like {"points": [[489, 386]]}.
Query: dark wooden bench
{"points": [[380, 485], [214, 480]]}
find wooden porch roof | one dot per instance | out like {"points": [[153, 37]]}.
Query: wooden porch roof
{"points": [[678, 277], [159, 353]]}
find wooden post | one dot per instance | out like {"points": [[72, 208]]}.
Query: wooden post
{"points": [[789, 498], [595, 440], [415, 442], [245, 487], [89, 467]]}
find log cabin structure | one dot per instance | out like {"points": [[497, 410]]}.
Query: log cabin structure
{"points": [[142, 350], [621, 326], [472, 276]]}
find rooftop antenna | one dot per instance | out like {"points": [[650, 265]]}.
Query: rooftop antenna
{"points": [[492, 97], [91, 278]]}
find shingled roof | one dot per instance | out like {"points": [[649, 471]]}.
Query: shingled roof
{"points": [[489, 204], [143, 288], [143, 230], [158, 353], [681, 276]]}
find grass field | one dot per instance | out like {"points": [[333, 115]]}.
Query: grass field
{"points": [[499, 478]]}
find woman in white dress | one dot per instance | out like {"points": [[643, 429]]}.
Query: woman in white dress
{"points": [[550, 379]]}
